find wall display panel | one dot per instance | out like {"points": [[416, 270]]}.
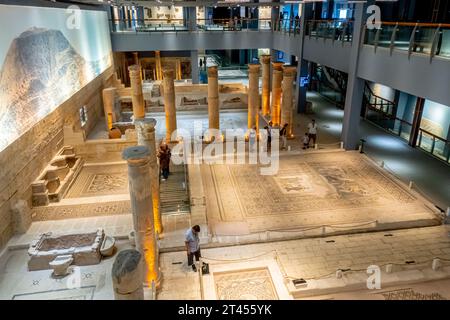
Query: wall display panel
{"points": [[46, 56]]}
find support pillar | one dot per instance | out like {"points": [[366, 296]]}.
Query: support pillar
{"points": [[169, 104], [265, 59], [159, 72], [109, 100], [277, 78], [213, 98], [300, 91], [136, 58], [253, 95], [355, 86], [418, 111], [137, 95], [178, 65], [194, 67], [139, 180], [145, 129], [287, 114]]}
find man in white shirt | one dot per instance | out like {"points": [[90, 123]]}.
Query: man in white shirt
{"points": [[192, 243], [312, 132]]}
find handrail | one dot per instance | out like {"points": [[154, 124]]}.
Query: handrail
{"points": [[413, 24], [373, 94]]}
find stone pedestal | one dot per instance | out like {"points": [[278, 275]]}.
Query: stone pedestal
{"points": [[213, 98], [265, 59], [253, 95], [137, 95], [127, 275], [139, 179], [145, 129], [277, 78], [169, 103], [287, 114], [109, 98]]}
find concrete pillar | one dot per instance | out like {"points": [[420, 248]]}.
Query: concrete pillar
{"points": [[169, 103], [145, 129], [109, 100], [355, 87], [194, 67], [139, 180], [417, 120], [213, 98], [159, 72], [265, 59], [127, 275], [287, 114], [277, 77], [253, 95], [137, 95]]}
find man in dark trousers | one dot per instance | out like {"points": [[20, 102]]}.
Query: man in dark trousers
{"points": [[192, 243]]}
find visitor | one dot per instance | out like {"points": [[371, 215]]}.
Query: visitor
{"points": [[269, 137], [164, 156], [312, 132], [283, 136], [201, 63], [231, 24], [306, 141], [252, 139], [192, 243], [280, 23], [297, 23]]}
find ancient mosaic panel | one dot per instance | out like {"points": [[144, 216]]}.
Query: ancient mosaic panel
{"points": [[410, 294], [245, 285], [100, 180], [310, 190]]}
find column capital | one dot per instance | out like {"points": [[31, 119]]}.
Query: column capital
{"points": [[253, 67], [136, 155], [289, 71], [168, 73], [134, 68], [277, 65], [146, 123], [213, 72], [265, 58]]}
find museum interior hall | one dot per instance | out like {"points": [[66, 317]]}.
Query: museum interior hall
{"points": [[224, 150]]}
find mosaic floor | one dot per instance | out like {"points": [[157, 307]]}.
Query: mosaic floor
{"points": [[99, 180], [310, 190], [245, 285]]}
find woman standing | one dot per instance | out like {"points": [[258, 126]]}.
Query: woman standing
{"points": [[164, 155]]}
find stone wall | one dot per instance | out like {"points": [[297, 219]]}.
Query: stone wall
{"points": [[22, 161]]}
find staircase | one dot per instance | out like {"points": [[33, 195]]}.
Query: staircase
{"points": [[174, 193], [333, 79]]}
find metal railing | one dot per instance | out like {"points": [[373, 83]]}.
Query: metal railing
{"points": [[336, 30], [431, 39], [289, 26]]}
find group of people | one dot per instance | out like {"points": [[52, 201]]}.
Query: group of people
{"points": [[309, 137]]}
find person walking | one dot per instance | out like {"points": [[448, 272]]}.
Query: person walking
{"points": [[192, 242], [164, 156], [283, 136], [312, 132]]}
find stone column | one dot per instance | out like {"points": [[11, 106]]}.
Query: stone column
{"points": [[136, 58], [139, 180], [178, 64], [145, 129], [277, 78], [213, 98], [137, 95], [109, 99], [159, 72], [127, 274], [287, 115], [253, 95], [265, 59], [169, 103]]}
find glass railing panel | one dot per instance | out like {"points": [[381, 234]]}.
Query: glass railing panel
{"points": [[423, 39], [385, 36], [441, 149], [403, 37]]}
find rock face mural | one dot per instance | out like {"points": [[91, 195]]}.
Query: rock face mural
{"points": [[41, 68]]}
